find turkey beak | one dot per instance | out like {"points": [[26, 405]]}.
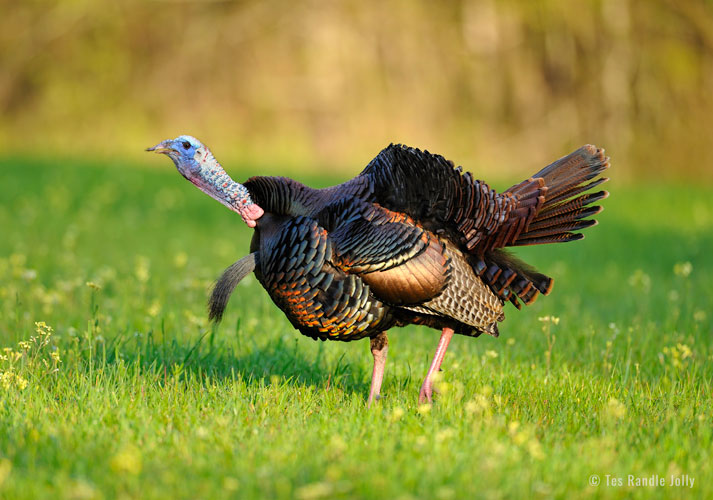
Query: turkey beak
{"points": [[161, 147]]}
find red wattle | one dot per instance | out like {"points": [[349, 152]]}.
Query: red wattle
{"points": [[251, 213]]}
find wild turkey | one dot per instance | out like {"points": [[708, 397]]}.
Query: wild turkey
{"points": [[410, 240]]}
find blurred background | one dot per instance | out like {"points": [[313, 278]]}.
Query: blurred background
{"points": [[497, 86], [137, 395]]}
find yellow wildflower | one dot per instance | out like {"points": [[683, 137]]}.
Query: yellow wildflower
{"points": [[93, 285], [127, 460], [683, 269], [424, 409], [180, 260], [142, 269], [154, 309], [397, 413], [615, 409]]}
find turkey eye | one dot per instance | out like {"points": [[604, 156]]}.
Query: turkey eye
{"points": [[186, 145]]}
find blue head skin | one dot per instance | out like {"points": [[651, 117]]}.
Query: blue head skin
{"points": [[196, 163]]}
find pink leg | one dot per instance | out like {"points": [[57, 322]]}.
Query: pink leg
{"points": [[427, 387], [379, 348]]}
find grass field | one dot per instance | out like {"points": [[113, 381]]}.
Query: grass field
{"points": [[133, 394]]}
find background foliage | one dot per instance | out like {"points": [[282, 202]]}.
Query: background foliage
{"points": [[311, 83]]}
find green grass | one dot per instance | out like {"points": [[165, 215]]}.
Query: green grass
{"points": [[150, 402]]}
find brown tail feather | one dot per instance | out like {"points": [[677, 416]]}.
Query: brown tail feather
{"points": [[558, 238], [572, 170], [556, 229], [561, 208], [553, 201], [573, 205], [557, 219]]}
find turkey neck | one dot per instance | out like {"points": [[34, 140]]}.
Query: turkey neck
{"points": [[217, 183]]}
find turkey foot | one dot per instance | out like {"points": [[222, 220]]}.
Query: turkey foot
{"points": [[426, 394], [379, 348]]}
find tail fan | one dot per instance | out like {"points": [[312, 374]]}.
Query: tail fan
{"points": [[551, 204], [227, 282]]}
